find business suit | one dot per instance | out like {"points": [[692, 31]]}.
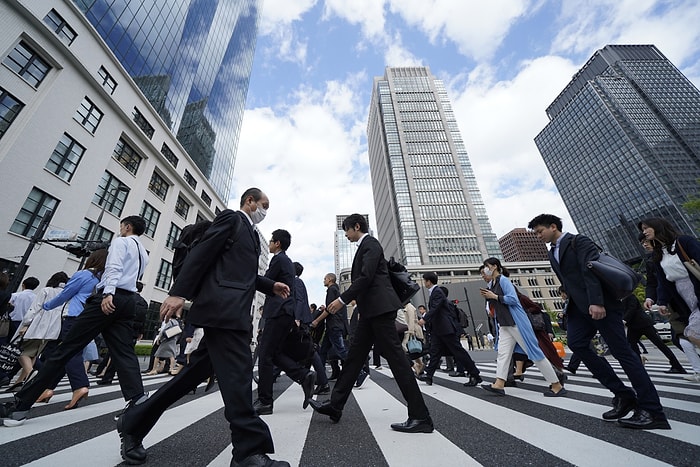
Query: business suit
{"points": [[377, 304], [279, 320], [220, 275], [584, 289], [336, 329], [444, 334]]}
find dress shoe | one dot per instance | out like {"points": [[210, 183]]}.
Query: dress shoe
{"points": [[261, 408], [426, 379], [361, 378], [621, 407], [473, 381], [549, 393], [131, 449], [45, 396], [570, 369], [259, 460], [11, 416], [307, 384], [643, 420], [325, 389], [104, 382], [510, 384], [679, 371], [414, 426], [490, 388], [457, 374], [325, 408], [78, 395]]}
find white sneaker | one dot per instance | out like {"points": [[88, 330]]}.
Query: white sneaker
{"points": [[695, 377]]}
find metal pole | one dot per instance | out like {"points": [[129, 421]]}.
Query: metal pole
{"points": [[471, 317], [112, 193], [36, 238]]}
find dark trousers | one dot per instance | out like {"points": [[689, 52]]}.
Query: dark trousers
{"points": [[449, 344], [370, 330], [581, 329], [271, 355], [117, 332], [225, 352], [333, 344], [74, 368], [633, 336]]}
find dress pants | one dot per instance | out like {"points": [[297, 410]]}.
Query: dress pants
{"points": [[370, 330], [227, 353], [117, 332], [581, 329], [449, 344], [633, 336], [75, 368]]}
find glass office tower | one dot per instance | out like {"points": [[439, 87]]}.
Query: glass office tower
{"points": [[343, 249], [428, 206], [192, 59], [623, 143]]}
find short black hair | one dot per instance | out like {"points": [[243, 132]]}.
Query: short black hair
{"points": [[430, 276], [57, 279], [298, 268], [137, 223], [30, 283], [282, 236], [545, 220], [353, 219], [256, 193]]}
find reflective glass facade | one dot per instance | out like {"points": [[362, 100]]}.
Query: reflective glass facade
{"points": [[428, 205], [192, 59], [623, 143]]}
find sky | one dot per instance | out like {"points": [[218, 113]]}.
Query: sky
{"points": [[303, 139]]}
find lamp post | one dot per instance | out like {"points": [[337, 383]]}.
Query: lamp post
{"points": [[110, 197]]}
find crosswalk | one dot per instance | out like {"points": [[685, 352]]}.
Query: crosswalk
{"points": [[473, 427]]}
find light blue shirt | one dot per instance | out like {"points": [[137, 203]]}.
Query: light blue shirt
{"points": [[77, 290], [123, 267], [555, 251]]}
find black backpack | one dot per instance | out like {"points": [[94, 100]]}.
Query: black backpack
{"points": [[189, 237], [463, 318]]}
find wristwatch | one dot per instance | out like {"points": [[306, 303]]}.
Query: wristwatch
{"points": [[105, 295]]}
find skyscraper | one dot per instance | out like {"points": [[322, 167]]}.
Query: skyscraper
{"points": [[428, 206], [623, 143], [192, 60]]}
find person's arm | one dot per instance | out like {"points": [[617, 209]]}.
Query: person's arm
{"points": [[73, 286]]}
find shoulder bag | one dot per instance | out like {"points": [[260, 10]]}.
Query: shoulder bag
{"points": [[690, 264], [401, 281], [9, 354]]}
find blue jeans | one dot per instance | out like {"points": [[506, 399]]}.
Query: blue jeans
{"points": [[333, 339]]}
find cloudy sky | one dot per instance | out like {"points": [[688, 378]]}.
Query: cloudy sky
{"points": [[303, 139]]}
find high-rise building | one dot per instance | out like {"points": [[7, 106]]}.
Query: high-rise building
{"points": [[522, 245], [192, 60], [343, 249], [623, 143], [428, 205]]}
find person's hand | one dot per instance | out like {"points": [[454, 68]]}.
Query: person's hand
{"points": [[663, 310], [171, 306], [188, 339], [648, 303], [597, 311], [335, 306], [313, 324], [298, 322], [487, 294], [281, 289], [107, 305], [421, 322]]}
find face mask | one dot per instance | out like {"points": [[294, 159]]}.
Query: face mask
{"points": [[258, 215], [488, 272]]}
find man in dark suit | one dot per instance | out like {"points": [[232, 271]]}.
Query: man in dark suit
{"points": [[591, 308], [336, 327], [377, 304], [279, 321], [445, 333], [220, 276]]}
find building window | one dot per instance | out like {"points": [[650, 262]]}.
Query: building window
{"points": [[205, 197], [108, 83], [142, 123], [531, 281], [200, 217], [58, 25], [33, 210], [65, 158], [88, 115], [100, 235], [536, 294], [27, 63], [127, 156], [182, 207], [158, 185], [190, 179], [173, 236], [169, 154], [151, 215], [217, 211], [111, 194], [165, 275], [9, 109]]}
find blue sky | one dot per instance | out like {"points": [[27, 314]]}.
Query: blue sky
{"points": [[303, 139]]}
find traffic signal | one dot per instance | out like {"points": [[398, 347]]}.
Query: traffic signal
{"points": [[77, 249]]}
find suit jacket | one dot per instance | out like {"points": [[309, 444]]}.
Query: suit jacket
{"points": [[582, 286], [281, 269], [302, 312], [340, 319], [371, 287], [221, 274], [440, 315]]}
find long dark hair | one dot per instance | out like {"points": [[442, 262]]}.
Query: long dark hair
{"points": [[664, 235], [497, 262]]}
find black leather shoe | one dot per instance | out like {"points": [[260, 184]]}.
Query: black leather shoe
{"points": [[261, 408], [490, 388], [259, 460], [325, 408], [325, 389], [457, 374], [473, 381], [570, 369], [426, 379], [131, 449], [307, 384], [414, 426], [621, 407], [679, 371], [361, 378], [643, 420], [510, 384], [103, 382]]}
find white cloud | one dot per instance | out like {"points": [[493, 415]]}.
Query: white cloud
{"points": [[282, 12], [368, 14]]}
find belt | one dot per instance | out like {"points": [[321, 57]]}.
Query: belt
{"points": [[117, 292]]}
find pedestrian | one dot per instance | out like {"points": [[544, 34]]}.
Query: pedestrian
{"points": [[220, 275], [110, 311], [377, 304], [591, 309], [333, 341], [21, 301]]}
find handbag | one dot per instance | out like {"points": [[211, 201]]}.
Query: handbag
{"points": [[614, 275], [172, 331], [401, 281], [4, 325], [691, 265], [537, 321], [9, 354], [414, 346], [298, 345]]}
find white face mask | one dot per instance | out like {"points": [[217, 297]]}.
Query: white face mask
{"points": [[488, 272], [258, 215]]}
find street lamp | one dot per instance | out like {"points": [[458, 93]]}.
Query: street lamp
{"points": [[111, 197]]}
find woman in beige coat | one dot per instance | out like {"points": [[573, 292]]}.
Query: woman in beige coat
{"points": [[414, 329]]}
